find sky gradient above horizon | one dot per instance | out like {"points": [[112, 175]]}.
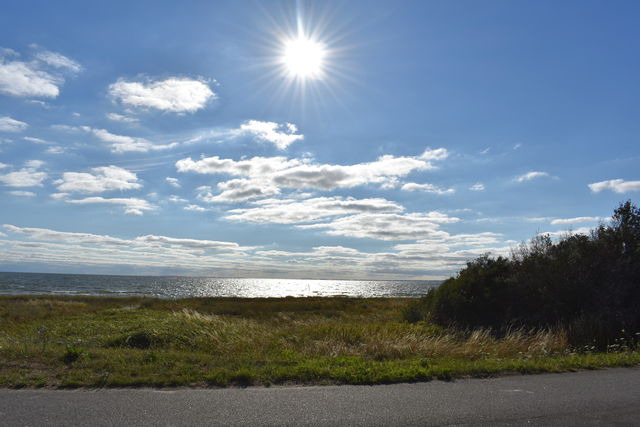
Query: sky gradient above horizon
{"points": [[177, 138]]}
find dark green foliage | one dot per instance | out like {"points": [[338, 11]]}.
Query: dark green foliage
{"points": [[71, 354], [589, 285]]}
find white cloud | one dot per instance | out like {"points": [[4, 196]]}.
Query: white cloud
{"points": [[195, 208], [23, 79], [65, 237], [266, 175], [561, 221], [281, 135], [22, 193], [55, 150], [298, 211], [58, 60], [427, 188], [35, 140], [119, 143], [3, 165], [210, 245], [176, 199], [434, 154], [28, 176], [256, 166], [531, 175], [40, 77], [477, 187], [101, 179], [615, 185], [174, 182], [122, 118], [131, 205], [141, 242], [34, 164], [387, 226], [175, 94], [560, 234], [7, 124], [237, 190]]}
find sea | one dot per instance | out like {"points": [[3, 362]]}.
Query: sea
{"points": [[185, 287]]}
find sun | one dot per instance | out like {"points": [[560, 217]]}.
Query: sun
{"points": [[304, 58]]}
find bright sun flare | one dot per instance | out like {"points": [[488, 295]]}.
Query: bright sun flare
{"points": [[303, 57]]}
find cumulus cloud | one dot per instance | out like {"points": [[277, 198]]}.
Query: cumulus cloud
{"points": [[7, 124], [175, 94], [387, 226], [29, 176], [281, 135], [237, 190], [615, 185], [564, 221], [477, 187], [299, 211], [101, 179], [264, 176], [174, 182], [434, 154], [427, 188], [40, 77], [530, 175]]}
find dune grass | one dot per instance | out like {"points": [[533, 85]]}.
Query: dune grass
{"points": [[119, 342]]}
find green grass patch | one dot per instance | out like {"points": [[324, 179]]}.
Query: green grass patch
{"points": [[123, 342]]}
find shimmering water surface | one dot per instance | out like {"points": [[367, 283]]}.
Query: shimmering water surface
{"points": [[181, 287]]}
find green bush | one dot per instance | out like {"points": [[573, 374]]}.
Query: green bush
{"points": [[589, 285]]}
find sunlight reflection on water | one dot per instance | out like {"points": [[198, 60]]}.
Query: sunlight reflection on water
{"points": [[182, 287]]}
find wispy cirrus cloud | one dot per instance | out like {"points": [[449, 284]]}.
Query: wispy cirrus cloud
{"points": [[576, 220], [122, 118], [615, 185], [131, 205], [174, 94], [118, 144], [530, 176], [20, 193]]}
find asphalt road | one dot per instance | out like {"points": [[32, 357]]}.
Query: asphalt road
{"points": [[608, 397]]}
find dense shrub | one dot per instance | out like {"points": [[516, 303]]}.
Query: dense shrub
{"points": [[589, 285]]}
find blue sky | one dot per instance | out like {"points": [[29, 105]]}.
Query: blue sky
{"points": [[178, 138]]}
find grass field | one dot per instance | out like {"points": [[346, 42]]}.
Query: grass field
{"points": [[95, 342]]}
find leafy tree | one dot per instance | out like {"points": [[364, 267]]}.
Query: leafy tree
{"points": [[589, 285]]}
